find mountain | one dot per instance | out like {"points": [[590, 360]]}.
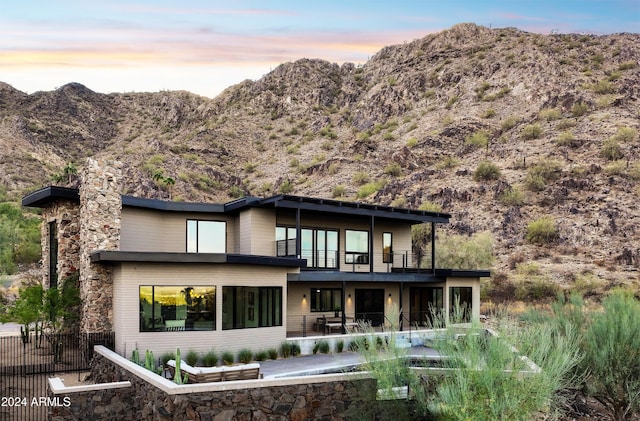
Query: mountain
{"points": [[551, 120]]}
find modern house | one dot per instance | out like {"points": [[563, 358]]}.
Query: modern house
{"points": [[243, 274]]}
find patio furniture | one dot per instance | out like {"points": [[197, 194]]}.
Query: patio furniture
{"points": [[216, 374]]}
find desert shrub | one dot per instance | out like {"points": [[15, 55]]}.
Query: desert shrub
{"points": [[333, 168], [285, 349], [509, 123], [245, 356], [324, 347], [634, 171], [210, 359], [479, 139], [611, 150], [340, 346], [579, 109], [295, 349], [369, 189], [360, 178], [494, 386], [565, 123], [286, 187], [625, 134], [531, 131], [627, 65], [412, 142], [452, 100], [513, 196], [430, 206], [393, 169], [549, 114], [273, 353], [464, 252], [612, 353], [486, 170], [566, 139], [227, 358], [448, 161], [261, 355], [615, 168], [603, 87], [399, 202], [339, 191], [294, 162], [192, 357], [540, 173], [488, 113], [542, 231]]}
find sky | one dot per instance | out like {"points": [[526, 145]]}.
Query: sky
{"points": [[206, 46]]}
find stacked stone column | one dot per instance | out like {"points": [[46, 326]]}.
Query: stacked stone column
{"points": [[100, 224]]}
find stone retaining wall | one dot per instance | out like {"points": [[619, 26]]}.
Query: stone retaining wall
{"points": [[329, 397]]}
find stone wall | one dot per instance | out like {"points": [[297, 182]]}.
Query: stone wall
{"points": [[66, 216], [342, 398], [100, 223]]}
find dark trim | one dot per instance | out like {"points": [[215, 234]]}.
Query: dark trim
{"points": [[463, 273], [336, 276], [47, 195], [163, 205], [108, 256], [354, 208]]}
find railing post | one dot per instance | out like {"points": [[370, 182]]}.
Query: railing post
{"points": [[304, 326]]}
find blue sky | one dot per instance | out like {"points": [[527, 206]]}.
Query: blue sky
{"points": [[206, 46]]}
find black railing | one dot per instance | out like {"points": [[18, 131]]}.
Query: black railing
{"points": [[27, 361]]}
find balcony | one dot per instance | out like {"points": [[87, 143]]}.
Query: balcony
{"points": [[396, 261]]}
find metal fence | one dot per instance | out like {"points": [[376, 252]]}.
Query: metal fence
{"points": [[27, 361]]}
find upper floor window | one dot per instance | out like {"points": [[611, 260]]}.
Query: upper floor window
{"points": [[387, 249], [285, 241], [206, 236], [320, 248], [356, 247]]}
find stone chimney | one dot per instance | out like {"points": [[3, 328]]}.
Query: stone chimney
{"points": [[100, 222]]}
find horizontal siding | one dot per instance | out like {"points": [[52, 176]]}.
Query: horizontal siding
{"points": [[128, 278], [148, 230]]}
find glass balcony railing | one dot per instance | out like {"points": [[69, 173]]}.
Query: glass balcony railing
{"points": [[395, 261]]}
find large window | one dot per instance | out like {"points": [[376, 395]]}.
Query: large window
{"points": [[356, 247], [246, 307], [206, 236], [320, 247], [387, 248], [326, 299], [172, 308], [285, 241], [460, 302]]}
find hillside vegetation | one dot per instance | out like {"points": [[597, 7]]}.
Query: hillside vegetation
{"points": [[529, 139]]}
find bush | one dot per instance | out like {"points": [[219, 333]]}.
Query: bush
{"points": [[360, 178], [227, 358], [549, 114], [612, 355], [486, 170], [339, 190], [369, 189], [273, 353], [245, 356], [393, 169], [566, 139], [285, 349], [540, 174], [512, 196], [509, 123], [464, 252], [210, 359], [542, 231], [479, 139], [323, 346], [192, 358], [430, 206], [531, 131], [261, 356], [579, 109], [625, 134], [412, 142], [611, 150], [164, 358], [340, 346]]}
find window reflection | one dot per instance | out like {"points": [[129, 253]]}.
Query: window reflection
{"points": [[174, 308], [206, 236], [356, 247]]}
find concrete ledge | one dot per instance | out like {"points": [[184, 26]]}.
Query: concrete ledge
{"points": [[171, 388], [57, 387]]}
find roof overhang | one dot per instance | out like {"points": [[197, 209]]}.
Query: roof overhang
{"points": [[114, 256], [164, 205], [47, 195], [354, 208]]}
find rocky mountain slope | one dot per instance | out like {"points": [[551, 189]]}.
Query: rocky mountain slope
{"points": [[554, 119]]}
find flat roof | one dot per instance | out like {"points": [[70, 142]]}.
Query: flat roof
{"points": [[50, 194], [116, 256]]}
